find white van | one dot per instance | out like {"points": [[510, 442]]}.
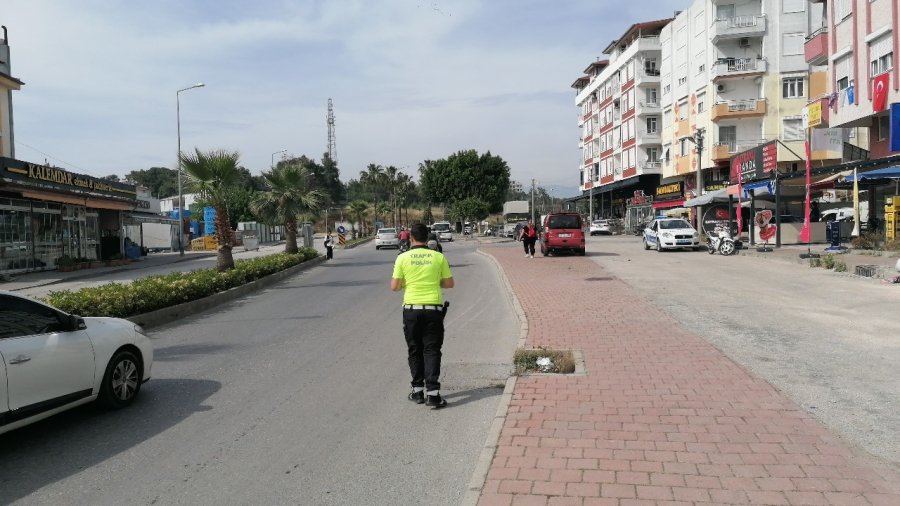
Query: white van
{"points": [[442, 230]]}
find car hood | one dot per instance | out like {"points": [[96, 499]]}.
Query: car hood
{"points": [[678, 231]]}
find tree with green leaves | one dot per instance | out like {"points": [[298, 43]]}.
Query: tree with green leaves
{"points": [[161, 181], [289, 195], [360, 210], [470, 208], [466, 174], [214, 175], [373, 179]]}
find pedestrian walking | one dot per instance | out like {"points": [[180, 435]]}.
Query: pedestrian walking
{"points": [[329, 247], [421, 273], [528, 238]]}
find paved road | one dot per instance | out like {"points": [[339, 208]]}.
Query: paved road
{"points": [[830, 341], [295, 395]]}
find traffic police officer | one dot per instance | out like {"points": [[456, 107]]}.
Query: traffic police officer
{"points": [[421, 273]]}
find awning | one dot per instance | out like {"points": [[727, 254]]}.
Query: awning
{"points": [[666, 204], [150, 218], [885, 173], [708, 198]]}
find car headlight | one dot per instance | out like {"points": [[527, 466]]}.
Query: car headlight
{"points": [[666, 235], [140, 330], [696, 234]]}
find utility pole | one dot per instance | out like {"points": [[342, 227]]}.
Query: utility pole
{"points": [[332, 140], [532, 200], [698, 142]]}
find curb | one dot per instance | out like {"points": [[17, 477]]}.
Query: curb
{"points": [[172, 313], [483, 465]]}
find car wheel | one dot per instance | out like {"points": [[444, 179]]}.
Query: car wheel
{"points": [[658, 245], [646, 244], [377, 247], [581, 252], [122, 380]]}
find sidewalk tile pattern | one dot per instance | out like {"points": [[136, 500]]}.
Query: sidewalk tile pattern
{"points": [[661, 418]]}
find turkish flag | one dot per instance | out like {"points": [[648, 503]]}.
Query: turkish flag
{"points": [[880, 92]]}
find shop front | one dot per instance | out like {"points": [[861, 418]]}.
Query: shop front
{"points": [[48, 214]]}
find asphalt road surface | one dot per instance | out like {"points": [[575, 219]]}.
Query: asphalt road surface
{"points": [[294, 395], [829, 341]]}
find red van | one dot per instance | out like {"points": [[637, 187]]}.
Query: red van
{"points": [[562, 232]]}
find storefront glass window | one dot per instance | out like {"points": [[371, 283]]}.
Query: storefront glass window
{"points": [[15, 236]]}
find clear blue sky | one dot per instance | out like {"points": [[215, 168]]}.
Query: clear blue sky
{"points": [[411, 80]]}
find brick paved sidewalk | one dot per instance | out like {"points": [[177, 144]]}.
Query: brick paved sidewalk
{"points": [[661, 418]]}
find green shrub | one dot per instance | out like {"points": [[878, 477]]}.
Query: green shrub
{"points": [[869, 240], [815, 262], [156, 292], [840, 266], [828, 261]]}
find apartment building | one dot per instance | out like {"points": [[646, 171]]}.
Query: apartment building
{"points": [[8, 84], [853, 43], [736, 70], [620, 119]]}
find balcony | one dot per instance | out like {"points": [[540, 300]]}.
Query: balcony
{"points": [[724, 150], [738, 109], [738, 67], [645, 76], [816, 47], [644, 108], [738, 27], [646, 137], [650, 166]]}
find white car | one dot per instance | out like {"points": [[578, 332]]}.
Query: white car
{"points": [[442, 230], [670, 233], [387, 238], [51, 361], [600, 227]]}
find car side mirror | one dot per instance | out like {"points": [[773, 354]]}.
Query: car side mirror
{"points": [[76, 322]]}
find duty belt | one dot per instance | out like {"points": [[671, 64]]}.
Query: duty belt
{"points": [[419, 306]]}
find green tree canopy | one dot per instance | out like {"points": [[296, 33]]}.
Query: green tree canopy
{"points": [[463, 175], [214, 175], [161, 181], [470, 208]]}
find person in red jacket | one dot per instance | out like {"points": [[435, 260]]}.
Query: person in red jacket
{"points": [[529, 237]]}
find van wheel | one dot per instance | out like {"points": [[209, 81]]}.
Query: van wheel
{"points": [[581, 252]]}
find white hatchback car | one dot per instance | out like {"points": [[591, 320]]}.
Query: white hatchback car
{"points": [[51, 361], [670, 233], [600, 227], [386, 238]]}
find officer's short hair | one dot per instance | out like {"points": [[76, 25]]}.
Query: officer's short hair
{"points": [[419, 232]]}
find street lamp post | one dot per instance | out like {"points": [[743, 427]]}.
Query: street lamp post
{"points": [[273, 156], [180, 194]]}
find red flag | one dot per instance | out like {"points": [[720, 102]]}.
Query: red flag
{"points": [[880, 92], [804, 232]]}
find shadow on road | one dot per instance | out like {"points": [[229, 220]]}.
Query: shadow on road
{"points": [[186, 351], [472, 395], [331, 263], [66, 444], [351, 282]]}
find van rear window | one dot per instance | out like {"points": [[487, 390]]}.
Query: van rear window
{"points": [[557, 222]]}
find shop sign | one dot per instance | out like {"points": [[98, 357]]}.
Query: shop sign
{"points": [[62, 179], [639, 199], [716, 218], [814, 114], [714, 186], [671, 191], [755, 163]]}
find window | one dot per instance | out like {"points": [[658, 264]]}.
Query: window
{"points": [[652, 96], [684, 147], [843, 8], [884, 128], [842, 72], [653, 155], [667, 88], [700, 106], [667, 118], [682, 111], [792, 87], [725, 11], [793, 5], [682, 80], [792, 43], [19, 317], [882, 54], [652, 125], [792, 129], [843, 83]]}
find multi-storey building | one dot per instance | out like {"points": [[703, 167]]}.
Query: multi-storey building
{"points": [[620, 119], [737, 71], [855, 41], [8, 84]]}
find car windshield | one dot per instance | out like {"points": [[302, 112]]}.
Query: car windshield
{"points": [[557, 222], [673, 224], [441, 227], [387, 231]]}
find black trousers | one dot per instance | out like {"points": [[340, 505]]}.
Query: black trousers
{"points": [[528, 244], [329, 252], [424, 331]]}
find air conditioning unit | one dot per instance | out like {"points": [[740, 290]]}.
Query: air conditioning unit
{"points": [[720, 88], [744, 42]]}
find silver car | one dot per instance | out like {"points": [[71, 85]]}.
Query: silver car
{"points": [[386, 238]]}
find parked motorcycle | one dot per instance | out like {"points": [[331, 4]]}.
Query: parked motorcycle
{"points": [[720, 241]]}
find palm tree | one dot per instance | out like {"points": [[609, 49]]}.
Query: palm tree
{"points": [[214, 175], [288, 195], [360, 209], [373, 178]]}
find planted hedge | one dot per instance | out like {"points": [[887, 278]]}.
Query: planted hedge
{"points": [[156, 292]]}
